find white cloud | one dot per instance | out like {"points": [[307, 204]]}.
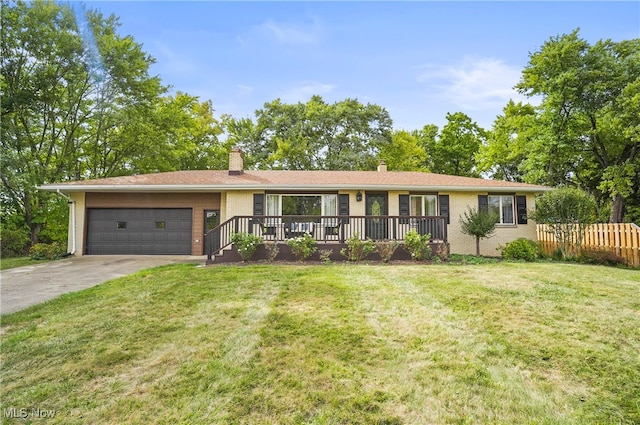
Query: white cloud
{"points": [[243, 91], [292, 34], [303, 91], [474, 84], [174, 62]]}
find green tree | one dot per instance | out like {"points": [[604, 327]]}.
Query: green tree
{"points": [[479, 224], [346, 135], [184, 135], [78, 102], [454, 150], [566, 212], [404, 153], [507, 149], [427, 138], [39, 143], [590, 111]]}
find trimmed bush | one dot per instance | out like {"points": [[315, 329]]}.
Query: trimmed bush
{"points": [[272, 250], [386, 249], [325, 256], [417, 245], [45, 251], [521, 249], [303, 246], [246, 244], [600, 257], [357, 250], [441, 252]]}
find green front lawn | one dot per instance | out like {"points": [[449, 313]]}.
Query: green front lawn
{"points": [[504, 343], [10, 263]]}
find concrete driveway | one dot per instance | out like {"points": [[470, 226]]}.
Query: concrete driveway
{"points": [[22, 287]]}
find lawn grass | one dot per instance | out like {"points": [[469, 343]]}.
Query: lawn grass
{"points": [[10, 263], [502, 343]]}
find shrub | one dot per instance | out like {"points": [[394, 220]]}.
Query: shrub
{"points": [[272, 250], [442, 252], [386, 250], [600, 257], [417, 245], [556, 255], [357, 249], [246, 244], [325, 256], [14, 242], [44, 251], [303, 246], [566, 213], [521, 249]]}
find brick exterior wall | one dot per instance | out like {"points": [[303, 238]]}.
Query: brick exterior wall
{"points": [[464, 244]]}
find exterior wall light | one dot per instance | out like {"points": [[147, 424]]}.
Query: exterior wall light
{"points": [[359, 196]]}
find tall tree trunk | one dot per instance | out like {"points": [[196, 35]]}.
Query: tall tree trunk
{"points": [[34, 228], [477, 246], [617, 210]]}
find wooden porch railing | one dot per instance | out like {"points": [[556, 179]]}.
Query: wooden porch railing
{"points": [[325, 229]]}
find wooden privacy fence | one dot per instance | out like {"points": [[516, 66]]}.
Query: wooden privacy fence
{"points": [[621, 238]]}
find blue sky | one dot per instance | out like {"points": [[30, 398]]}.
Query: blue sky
{"points": [[419, 59]]}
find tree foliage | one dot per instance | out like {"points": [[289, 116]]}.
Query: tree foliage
{"points": [[404, 153], [589, 116], [479, 224], [507, 146], [453, 149], [79, 102], [346, 135], [566, 212]]}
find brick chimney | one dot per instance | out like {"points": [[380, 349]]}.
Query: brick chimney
{"points": [[236, 163], [382, 166]]}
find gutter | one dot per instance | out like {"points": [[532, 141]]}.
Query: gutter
{"points": [[307, 187], [73, 221]]}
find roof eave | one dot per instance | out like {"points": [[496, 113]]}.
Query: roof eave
{"points": [[224, 188]]}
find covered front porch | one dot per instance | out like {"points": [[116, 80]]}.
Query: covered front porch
{"points": [[330, 232]]}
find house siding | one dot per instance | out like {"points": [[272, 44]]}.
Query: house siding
{"points": [[76, 229], [465, 244], [240, 203]]}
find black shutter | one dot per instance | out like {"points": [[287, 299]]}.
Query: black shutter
{"points": [[403, 208], [258, 204], [483, 203], [343, 206], [443, 205], [521, 208]]}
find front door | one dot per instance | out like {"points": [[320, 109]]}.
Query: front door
{"points": [[376, 223], [211, 221]]}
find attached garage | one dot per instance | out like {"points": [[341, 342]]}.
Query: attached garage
{"points": [[112, 231]]}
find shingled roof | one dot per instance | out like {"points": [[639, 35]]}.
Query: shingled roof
{"points": [[222, 180]]}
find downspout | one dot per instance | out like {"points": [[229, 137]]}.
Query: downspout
{"points": [[73, 221]]}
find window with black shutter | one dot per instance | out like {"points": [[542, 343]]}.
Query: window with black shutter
{"points": [[403, 208], [521, 208], [443, 205], [343, 206]]}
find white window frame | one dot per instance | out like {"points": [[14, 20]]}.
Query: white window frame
{"points": [[502, 198], [423, 202], [275, 200]]}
